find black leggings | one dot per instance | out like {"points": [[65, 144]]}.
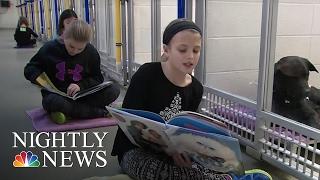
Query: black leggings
{"points": [[27, 43], [140, 164], [90, 106]]}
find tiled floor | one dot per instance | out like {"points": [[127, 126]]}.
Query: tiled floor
{"points": [[18, 95]]}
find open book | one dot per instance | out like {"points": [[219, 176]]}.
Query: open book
{"points": [[205, 140], [44, 81]]}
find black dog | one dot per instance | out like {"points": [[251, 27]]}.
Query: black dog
{"points": [[292, 96]]}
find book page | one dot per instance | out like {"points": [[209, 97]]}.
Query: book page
{"points": [[44, 81], [92, 90], [194, 123], [143, 132], [213, 151], [145, 114], [201, 117]]}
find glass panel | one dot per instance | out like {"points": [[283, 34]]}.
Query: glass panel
{"points": [[142, 31], [67, 4], [60, 6], [301, 30], [29, 15], [36, 16], [101, 29], [92, 12], [78, 8], [110, 27], [298, 34], [233, 45], [169, 12], [142, 26], [47, 14]]}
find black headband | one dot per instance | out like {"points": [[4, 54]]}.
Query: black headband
{"points": [[176, 26]]}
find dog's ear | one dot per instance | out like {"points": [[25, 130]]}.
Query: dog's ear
{"points": [[295, 66], [289, 66], [310, 66]]}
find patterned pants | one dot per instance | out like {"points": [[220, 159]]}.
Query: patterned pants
{"points": [[140, 164]]}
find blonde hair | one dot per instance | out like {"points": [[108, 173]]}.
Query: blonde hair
{"points": [[79, 31]]}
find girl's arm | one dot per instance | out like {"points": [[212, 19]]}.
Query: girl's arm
{"points": [[198, 92], [33, 33], [134, 99], [137, 92], [34, 68]]}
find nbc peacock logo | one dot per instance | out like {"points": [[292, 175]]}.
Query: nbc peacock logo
{"points": [[26, 159]]}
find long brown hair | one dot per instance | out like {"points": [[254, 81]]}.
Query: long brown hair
{"points": [[68, 13], [23, 20]]}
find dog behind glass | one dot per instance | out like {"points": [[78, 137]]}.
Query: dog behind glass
{"points": [[292, 96]]}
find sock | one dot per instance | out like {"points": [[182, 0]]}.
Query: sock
{"points": [[254, 174], [58, 117]]}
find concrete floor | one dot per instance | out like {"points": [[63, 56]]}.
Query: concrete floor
{"points": [[18, 95]]}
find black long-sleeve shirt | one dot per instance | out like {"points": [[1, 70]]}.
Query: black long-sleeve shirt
{"points": [[62, 69], [23, 35], [150, 90]]}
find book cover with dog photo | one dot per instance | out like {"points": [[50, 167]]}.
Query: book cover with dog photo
{"points": [[203, 139]]}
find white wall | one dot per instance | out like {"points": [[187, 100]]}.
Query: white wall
{"points": [[232, 45], [142, 30], [142, 25], [299, 32], [233, 41], [9, 17]]}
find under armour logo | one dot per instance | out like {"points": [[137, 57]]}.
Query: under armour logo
{"points": [[76, 76]]}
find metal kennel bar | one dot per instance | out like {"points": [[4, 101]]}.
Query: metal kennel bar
{"points": [[290, 145], [286, 144], [238, 113]]}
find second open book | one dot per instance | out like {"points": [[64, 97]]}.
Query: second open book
{"points": [[44, 81], [205, 140]]}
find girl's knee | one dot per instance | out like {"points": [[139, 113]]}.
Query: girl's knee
{"points": [[53, 102], [111, 93], [33, 41], [115, 90], [47, 101]]}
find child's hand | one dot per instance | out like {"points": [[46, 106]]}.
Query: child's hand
{"points": [[72, 89], [181, 159]]}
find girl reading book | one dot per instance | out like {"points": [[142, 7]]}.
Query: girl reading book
{"points": [[24, 35], [165, 88], [71, 66]]}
